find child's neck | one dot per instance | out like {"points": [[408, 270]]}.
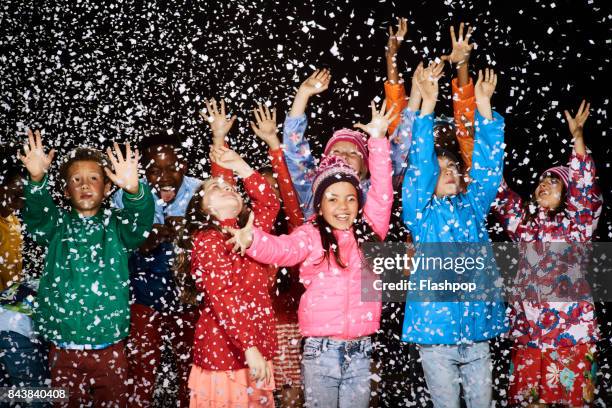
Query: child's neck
{"points": [[87, 213]]}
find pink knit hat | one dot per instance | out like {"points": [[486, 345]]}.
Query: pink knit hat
{"points": [[560, 171], [348, 135], [331, 170]]}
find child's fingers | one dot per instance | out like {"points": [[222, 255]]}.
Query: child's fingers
{"points": [[461, 31], [38, 140], [360, 126], [469, 34], [213, 103], [494, 80], [391, 35], [258, 118], [274, 115], [32, 144], [232, 120], [452, 34], [568, 117], [581, 108], [26, 149], [383, 108], [111, 175], [128, 151], [479, 80], [118, 152], [255, 128], [111, 157]]}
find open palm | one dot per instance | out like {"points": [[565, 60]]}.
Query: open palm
{"points": [[35, 159]]}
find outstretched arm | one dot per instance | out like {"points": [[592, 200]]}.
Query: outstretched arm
{"points": [[40, 213], [584, 201]]}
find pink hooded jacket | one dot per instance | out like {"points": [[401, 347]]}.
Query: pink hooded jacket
{"points": [[331, 305]]}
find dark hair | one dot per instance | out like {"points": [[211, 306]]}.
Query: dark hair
{"points": [[196, 220], [442, 152], [159, 137], [362, 231], [533, 203], [83, 154]]}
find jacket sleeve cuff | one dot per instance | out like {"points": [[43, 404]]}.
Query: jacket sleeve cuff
{"points": [[135, 197], [463, 92], [36, 186]]}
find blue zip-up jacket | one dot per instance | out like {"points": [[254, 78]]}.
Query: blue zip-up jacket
{"points": [[459, 218]]}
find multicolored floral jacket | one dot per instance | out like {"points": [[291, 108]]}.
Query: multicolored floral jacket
{"points": [[545, 272]]}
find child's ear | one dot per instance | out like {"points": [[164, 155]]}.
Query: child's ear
{"points": [[66, 192]]}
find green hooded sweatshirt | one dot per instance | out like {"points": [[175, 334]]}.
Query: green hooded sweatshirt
{"points": [[83, 297]]}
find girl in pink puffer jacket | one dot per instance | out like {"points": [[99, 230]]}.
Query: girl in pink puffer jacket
{"points": [[332, 316]]}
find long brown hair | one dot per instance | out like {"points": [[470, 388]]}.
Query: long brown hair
{"points": [[197, 219]]}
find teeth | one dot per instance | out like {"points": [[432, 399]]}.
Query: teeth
{"points": [[167, 188]]}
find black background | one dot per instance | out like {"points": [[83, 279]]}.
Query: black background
{"points": [[88, 72]]}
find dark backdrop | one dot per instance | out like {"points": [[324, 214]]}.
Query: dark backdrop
{"points": [[89, 71]]}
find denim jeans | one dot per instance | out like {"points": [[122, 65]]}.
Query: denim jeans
{"points": [[23, 363], [336, 373], [448, 367]]}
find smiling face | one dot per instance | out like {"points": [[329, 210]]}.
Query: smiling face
{"points": [[549, 192], [221, 199], [86, 187], [349, 152], [449, 179], [164, 171], [340, 205]]}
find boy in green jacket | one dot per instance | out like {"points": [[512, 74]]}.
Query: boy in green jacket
{"points": [[83, 299]]}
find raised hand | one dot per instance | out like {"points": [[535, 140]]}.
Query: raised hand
{"points": [[316, 83], [576, 123], [396, 38], [426, 80], [265, 126], [576, 126], [35, 159], [125, 173], [220, 125], [461, 47], [380, 121], [231, 160], [483, 91]]}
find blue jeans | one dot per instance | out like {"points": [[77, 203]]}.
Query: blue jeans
{"points": [[336, 373], [23, 363], [448, 367]]}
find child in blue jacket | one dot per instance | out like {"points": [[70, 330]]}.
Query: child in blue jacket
{"points": [[452, 336]]}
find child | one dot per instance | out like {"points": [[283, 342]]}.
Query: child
{"points": [[452, 336], [83, 297], [287, 290], [158, 312], [347, 143], [236, 328], [565, 207], [23, 361], [332, 317]]}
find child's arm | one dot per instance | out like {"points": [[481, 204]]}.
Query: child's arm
{"points": [[420, 180], [584, 197], [377, 209], [402, 137], [267, 130], [265, 205], [282, 250], [40, 214], [487, 157], [395, 93], [464, 104], [508, 208], [220, 126], [136, 217], [299, 158]]}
